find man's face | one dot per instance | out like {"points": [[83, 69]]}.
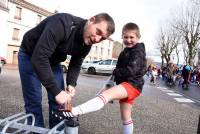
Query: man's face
{"points": [[95, 32], [129, 38]]}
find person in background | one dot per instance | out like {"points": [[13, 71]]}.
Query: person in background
{"points": [[45, 46], [187, 69], [128, 75]]}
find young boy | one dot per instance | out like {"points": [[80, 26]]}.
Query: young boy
{"points": [[129, 72]]}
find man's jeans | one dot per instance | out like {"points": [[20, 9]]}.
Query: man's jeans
{"points": [[32, 93]]}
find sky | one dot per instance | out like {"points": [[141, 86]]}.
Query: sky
{"points": [[148, 14]]}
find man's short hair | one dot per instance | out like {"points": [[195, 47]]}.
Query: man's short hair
{"points": [[106, 17]]}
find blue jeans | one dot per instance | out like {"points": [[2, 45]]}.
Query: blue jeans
{"points": [[32, 93]]}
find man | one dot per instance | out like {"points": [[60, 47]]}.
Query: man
{"points": [[48, 44]]}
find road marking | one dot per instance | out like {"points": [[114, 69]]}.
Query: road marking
{"points": [[184, 100], [162, 88], [174, 94], [170, 91], [185, 105]]}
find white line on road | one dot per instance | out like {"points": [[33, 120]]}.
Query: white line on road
{"points": [[184, 100], [174, 94], [170, 91], [162, 88]]}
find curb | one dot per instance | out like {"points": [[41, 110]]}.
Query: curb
{"points": [[90, 75]]}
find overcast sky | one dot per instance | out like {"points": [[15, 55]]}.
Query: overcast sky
{"points": [[148, 14]]}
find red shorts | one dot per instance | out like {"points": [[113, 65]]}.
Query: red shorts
{"points": [[131, 91]]}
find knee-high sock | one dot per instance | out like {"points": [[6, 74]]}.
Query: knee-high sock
{"points": [[128, 127], [90, 106]]}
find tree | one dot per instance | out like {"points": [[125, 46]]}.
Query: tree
{"points": [[187, 23], [167, 42]]}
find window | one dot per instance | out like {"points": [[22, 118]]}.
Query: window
{"points": [[39, 19], [108, 52], [106, 62], [18, 13], [101, 51], [96, 49], [15, 34], [114, 62]]}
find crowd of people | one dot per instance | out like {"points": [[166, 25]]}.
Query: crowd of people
{"points": [[173, 74]]}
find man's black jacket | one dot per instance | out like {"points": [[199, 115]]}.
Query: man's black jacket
{"points": [[131, 66], [50, 42]]}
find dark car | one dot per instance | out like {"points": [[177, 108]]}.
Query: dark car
{"points": [[0, 67], [3, 60]]}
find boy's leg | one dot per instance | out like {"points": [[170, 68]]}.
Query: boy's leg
{"points": [[126, 107], [127, 121], [53, 105], [31, 88], [114, 93]]}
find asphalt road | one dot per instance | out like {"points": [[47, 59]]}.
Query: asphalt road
{"points": [[151, 114]]}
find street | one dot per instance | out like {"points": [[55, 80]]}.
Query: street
{"points": [[157, 111]]}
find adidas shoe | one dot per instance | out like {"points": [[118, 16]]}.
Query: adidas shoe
{"points": [[61, 115]]}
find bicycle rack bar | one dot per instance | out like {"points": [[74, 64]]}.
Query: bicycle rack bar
{"points": [[19, 123], [11, 117], [19, 119]]}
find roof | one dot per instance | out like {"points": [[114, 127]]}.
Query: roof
{"points": [[32, 7]]}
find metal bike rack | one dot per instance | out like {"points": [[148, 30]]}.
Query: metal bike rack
{"points": [[17, 124]]}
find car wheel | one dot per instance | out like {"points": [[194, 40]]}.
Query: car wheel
{"points": [[64, 69], [3, 62], [91, 70]]}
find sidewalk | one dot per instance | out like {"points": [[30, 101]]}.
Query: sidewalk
{"points": [[10, 66]]}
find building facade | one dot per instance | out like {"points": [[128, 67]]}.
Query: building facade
{"points": [[19, 16], [22, 17], [4, 12]]}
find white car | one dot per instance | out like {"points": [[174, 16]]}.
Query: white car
{"points": [[104, 66]]}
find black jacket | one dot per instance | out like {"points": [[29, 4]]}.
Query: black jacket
{"points": [[50, 42], [131, 66]]}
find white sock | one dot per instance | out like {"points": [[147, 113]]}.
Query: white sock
{"points": [[128, 127], [90, 106]]}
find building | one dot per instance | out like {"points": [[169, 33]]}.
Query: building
{"points": [[22, 16], [19, 16], [101, 51], [4, 11]]}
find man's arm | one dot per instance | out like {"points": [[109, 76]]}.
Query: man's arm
{"points": [[52, 34], [75, 66]]}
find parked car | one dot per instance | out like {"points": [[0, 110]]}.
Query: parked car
{"points": [[90, 62], [0, 67], [3, 60], [104, 66], [65, 64]]}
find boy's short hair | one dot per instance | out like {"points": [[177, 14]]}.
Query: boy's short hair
{"points": [[131, 26]]}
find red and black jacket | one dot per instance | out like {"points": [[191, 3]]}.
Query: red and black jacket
{"points": [[131, 66]]}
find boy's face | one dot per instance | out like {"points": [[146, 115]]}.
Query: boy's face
{"points": [[130, 38], [95, 32]]}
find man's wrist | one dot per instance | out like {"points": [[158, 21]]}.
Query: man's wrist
{"points": [[70, 86]]}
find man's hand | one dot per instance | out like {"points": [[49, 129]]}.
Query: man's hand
{"points": [[63, 98], [71, 90]]}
